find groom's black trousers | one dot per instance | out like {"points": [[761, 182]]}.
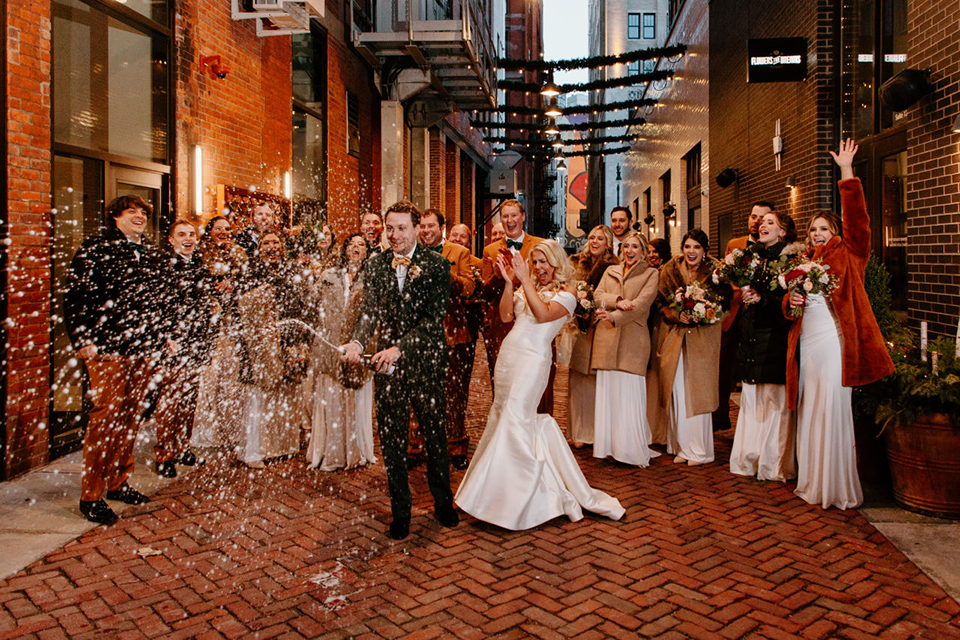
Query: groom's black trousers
{"points": [[394, 396]]}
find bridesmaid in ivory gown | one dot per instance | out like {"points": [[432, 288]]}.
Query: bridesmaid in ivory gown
{"points": [[523, 472]]}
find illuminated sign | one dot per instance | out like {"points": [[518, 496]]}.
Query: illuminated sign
{"points": [[777, 60]]}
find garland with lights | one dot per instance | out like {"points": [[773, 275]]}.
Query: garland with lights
{"points": [[609, 83], [581, 126], [593, 62], [538, 142], [571, 154], [577, 109]]}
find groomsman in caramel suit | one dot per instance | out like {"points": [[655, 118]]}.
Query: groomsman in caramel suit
{"points": [[460, 346], [513, 217], [730, 339]]}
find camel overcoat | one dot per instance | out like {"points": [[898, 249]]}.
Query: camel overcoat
{"points": [[865, 355], [581, 356], [624, 345], [701, 343]]}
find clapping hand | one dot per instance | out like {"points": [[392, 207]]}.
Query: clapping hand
{"points": [[505, 268], [520, 268]]}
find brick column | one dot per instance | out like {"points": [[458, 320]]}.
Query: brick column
{"points": [[27, 248], [452, 199]]}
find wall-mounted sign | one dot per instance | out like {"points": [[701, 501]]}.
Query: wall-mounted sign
{"points": [[777, 60]]}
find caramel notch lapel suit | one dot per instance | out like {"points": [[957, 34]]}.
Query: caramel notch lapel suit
{"points": [[496, 329]]}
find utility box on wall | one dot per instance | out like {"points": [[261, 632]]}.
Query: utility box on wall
{"points": [[503, 182]]}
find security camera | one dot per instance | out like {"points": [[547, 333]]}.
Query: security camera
{"points": [[214, 66]]}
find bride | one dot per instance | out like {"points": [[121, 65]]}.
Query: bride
{"points": [[523, 472]]}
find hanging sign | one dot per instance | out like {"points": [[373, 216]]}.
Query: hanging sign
{"points": [[777, 60]]}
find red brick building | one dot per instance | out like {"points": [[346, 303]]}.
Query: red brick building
{"points": [[201, 107]]}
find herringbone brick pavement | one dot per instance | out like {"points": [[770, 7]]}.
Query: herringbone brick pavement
{"points": [[289, 552]]}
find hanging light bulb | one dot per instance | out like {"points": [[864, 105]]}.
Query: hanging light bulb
{"points": [[552, 130], [557, 142], [552, 109], [550, 90], [561, 166]]}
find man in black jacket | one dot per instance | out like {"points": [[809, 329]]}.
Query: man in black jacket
{"points": [[406, 295], [188, 313], [113, 294]]}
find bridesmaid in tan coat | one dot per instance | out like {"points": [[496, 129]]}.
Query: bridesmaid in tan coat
{"points": [[621, 348], [684, 393]]}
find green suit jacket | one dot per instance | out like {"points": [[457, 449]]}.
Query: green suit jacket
{"points": [[411, 320]]}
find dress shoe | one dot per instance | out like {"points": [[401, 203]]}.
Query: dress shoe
{"points": [[167, 470], [448, 517], [399, 528], [98, 511], [460, 462], [679, 460], [127, 495], [693, 463], [188, 459]]}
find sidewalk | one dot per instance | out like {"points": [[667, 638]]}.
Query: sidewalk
{"points": [[291, 552]]}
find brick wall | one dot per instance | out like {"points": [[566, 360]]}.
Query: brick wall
{"points": [[353, 181], [933, 169], [452, 191], [438, 171], [743, 116], [28, 250], [242, 122]]}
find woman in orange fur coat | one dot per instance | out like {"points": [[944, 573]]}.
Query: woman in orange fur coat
{"points": [[840, 347]]}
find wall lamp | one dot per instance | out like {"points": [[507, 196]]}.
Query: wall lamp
{"points": [[791, 182], [214, 67], [726, 178], [956, 125], [198, 181]]}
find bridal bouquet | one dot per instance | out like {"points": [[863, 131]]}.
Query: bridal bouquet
{"points": [[701, 306], [738, 269], [805, 277], [586, 306]]}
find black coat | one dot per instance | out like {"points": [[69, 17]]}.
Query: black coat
{"points": [[114, 298], [762, 354], [190, 309]]}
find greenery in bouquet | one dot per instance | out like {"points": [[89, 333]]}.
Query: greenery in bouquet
{"points": [[738, 268], [806, 277], [699, 305]]}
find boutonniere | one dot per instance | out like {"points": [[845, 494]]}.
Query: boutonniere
{"points": [[414, 272]]}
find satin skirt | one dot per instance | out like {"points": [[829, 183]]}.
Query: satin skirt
{"points": [[580, 412], [690, 437], [764, 444], [621, 430], [826, 449], [341, 434], [272, 421]]}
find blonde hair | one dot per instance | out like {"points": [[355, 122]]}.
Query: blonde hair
{"points": [[644, 245], [556, 257], [607, 235]]}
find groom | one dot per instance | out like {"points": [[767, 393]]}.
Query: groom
{"points": [[406, 293]]}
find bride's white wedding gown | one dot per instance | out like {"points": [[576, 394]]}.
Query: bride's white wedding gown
{"points": [[523, 472]]}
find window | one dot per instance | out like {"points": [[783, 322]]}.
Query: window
{"points": [[649, 26], [309, 125], [633, 68], [691, 163], [649, 66], [633, 26]]}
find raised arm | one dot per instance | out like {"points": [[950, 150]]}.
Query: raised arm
{"points": [[856, 221]]}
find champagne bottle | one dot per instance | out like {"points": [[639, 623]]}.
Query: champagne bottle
{"points": [[367, 360]]}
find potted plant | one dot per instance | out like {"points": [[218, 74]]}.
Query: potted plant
{"points": [[917, 409]]}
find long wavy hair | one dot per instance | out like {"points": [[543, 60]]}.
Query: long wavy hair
{"points": [[557, 258]]}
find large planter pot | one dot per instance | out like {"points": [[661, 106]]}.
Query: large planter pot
{"points": [[925, 466]]}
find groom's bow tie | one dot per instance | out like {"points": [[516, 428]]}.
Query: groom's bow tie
{"points": [[400, 260], [514, 244]]}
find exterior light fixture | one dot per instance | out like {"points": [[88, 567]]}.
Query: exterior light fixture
{"points": [[287, 185], [956, 125], [552, 109], [791, 182], [198, 180], [561, 166], [557, 142], [550, 90], [552, 130]]}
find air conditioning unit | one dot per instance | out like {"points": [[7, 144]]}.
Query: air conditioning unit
{"points": [[268, 5], [293, 19]]}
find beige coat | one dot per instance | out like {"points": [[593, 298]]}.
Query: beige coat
{"points": [[701, 343], [582, 355], [338, 312], [625, 344]]}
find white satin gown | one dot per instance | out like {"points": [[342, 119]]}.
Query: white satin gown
{"points": [[826, 449], [523, 472]]}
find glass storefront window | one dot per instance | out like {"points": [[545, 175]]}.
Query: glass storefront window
{"points": [[308, 155], [109, 84], [309, 136], [78, 203], [895, 225]]}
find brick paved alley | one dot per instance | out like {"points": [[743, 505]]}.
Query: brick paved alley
{"points": [[289, 552]]}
